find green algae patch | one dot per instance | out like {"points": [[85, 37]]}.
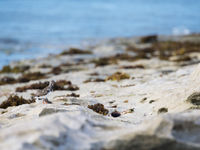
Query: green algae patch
{"points": [[99, 108], [15, 100], [118, 76]]}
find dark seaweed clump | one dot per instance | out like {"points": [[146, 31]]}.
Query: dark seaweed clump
{"points": [[104, 61], [16, 69], [99, 108], [94, 80], [72, 88], [40, 85], [75, 51], [32, 76], [15, 101], [149, 39], [56, 70], [73, 95], [164, 50], [7, 80], [162, 110], [133, 67], [194, 98], [59, 85]]}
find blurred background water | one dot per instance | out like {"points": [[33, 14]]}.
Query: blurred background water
{"points": [[31, 28]]}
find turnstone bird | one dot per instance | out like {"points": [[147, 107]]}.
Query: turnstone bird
{"points": [[42, 94]]}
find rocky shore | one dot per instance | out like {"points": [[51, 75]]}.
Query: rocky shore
{"points": [[126, 93]]}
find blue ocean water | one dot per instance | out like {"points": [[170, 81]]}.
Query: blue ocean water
{"points": [[30, 28]]}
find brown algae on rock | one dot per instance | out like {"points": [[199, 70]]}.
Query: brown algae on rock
{"points": [[99, 108], [15, 100], [118, 76]]}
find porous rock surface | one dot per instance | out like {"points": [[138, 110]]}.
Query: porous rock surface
{"points": [[68, 123]]}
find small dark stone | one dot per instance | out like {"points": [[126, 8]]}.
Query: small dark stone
{"points": [[162, 110], [115, 114]]}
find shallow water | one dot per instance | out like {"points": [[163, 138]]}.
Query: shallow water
{"points": [[35, 28]]}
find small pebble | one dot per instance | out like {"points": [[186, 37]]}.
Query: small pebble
{"points": [[115, 114]]}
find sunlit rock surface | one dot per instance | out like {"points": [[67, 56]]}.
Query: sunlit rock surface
{"points": [[155, 95]]}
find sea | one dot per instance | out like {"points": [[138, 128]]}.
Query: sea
{"points": [[36, 28]]}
